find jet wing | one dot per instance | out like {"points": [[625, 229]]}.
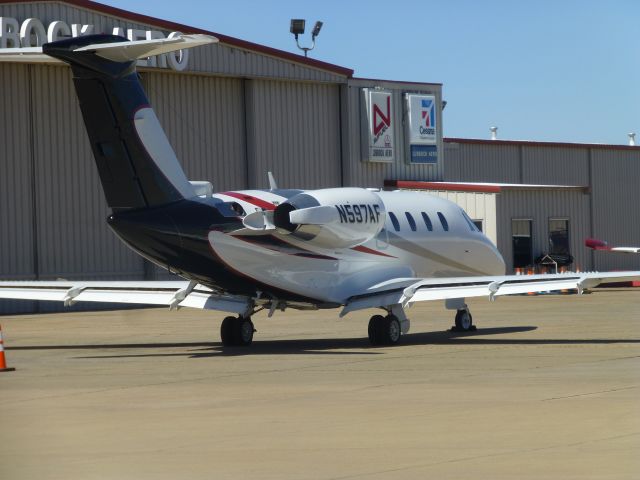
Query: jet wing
{"points": [[406, 291], [173, 294]]}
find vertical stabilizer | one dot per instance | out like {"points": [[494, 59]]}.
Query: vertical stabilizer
{"points": [[137, 166]]}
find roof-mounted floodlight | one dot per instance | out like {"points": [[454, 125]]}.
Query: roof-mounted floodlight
{"points": [[297, 28], [316, 29]]}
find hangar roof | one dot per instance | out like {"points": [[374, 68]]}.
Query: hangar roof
{"points": [[168, 25], [530, 143], [477, 187]]}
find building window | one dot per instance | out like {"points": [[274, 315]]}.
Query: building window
{"points": [[412, 222], [559, 236], [522, 243], [394, 220], [443, 221], [427, 221], [478, 224]]}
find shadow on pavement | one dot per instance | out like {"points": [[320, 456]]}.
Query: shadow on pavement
{"points": [[335, 346]]}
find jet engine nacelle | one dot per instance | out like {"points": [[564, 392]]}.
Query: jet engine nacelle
{"points": [[332, 217]]}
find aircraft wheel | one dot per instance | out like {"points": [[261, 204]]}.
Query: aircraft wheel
{"points": [[374, 329], [227, 331], [384, 330], [464, 321], [244, 331], [392, 330]]}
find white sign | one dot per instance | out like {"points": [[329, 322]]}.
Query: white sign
{"points": [[422, 119], [32, 33], [379, 120]]}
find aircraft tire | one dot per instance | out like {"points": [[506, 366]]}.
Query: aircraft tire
{"points": [[464, 321], [391, 330], [227, 331], [243, 332], [374, 329], [384, 330]]}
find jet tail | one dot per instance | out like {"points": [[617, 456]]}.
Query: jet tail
{"points": [[137, 166]]}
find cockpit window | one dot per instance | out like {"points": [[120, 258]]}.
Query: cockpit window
{"points": [[472, 226], [443, 221], [394, 220]]}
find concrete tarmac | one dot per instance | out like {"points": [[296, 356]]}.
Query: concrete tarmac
{"points": [[548, 387]]}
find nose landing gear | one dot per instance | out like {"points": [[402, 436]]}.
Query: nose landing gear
{"points": [[464, 321]]}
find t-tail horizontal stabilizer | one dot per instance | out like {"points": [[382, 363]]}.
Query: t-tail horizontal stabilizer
{"points": [[137, 166], [118, 51]]}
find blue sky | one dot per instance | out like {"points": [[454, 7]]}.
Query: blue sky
{"points": [[539, 70]]}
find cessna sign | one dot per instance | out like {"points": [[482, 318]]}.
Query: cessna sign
{"points": [[422, 128], [33, 33]]}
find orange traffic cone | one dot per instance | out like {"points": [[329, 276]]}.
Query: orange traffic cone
{"points": [[3, 362]]}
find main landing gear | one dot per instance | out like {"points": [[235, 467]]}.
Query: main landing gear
{"points": [[237, 331], [387, 330], [384, 330]]}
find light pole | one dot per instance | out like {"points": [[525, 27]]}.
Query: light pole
{"points": [[297, 28]]}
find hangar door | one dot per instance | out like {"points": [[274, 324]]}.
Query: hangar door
{"points": [[293, 129]]}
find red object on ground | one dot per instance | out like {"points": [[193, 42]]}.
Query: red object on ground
{"points": [[3, 362]]}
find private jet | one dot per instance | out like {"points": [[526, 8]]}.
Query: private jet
{"points": [[244, 251]]}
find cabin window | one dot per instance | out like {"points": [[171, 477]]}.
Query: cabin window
{"points": [[427, 221], [478, 224], [412, 222], [559, 236], [443, 221], [522, 243], [394, 220]]}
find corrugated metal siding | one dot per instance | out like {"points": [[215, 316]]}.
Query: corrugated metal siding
{"points": [[482, 163], [369, 174], [540, 206], [204, 121], [73, 238], [16, 201], [516, 164], [616, 206], [294, 131], [227, 60], [555, 166], [220, 58], [16, 207]]}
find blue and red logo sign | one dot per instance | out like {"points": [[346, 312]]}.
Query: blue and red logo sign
{"points": [[428, 113]]}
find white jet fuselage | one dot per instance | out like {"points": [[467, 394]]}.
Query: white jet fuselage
{"points": [[420, 236]]}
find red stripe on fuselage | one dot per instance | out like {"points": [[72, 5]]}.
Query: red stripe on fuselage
{"points": [[258, 202]]}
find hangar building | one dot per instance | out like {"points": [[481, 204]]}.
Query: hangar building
{"points": [[234, 111]]}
